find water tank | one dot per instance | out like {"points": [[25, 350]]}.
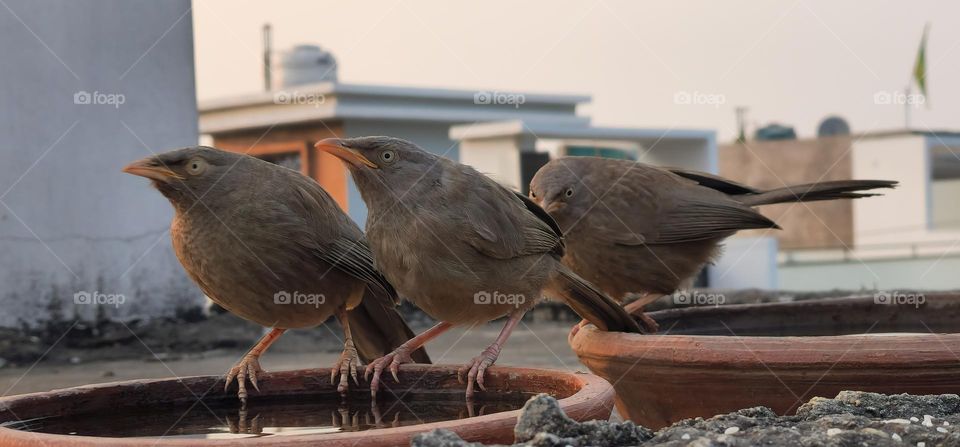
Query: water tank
{"points": [[833, 125], [775, 132], [308, 64]]}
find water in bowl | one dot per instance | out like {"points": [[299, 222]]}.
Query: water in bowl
{"points": [[274, 416]]}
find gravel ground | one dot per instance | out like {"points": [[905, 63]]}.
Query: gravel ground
{"points": [[852, 419]]}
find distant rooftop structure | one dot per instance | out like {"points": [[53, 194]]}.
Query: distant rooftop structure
{"points": [[907, 238], [931, 133], [282, 125], [833, 126], [646, 136], [332, 100], [307, 64], [775, 131], [522, 147], [507, 134]]}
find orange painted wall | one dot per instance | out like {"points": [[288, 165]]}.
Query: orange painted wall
{"points": [[326, 169]]}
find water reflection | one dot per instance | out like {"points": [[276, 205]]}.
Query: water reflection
{"points": [[227, 419]]}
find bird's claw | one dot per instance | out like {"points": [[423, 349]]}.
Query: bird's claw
{"points": [[476, 368], [647, 322], [342, 419], [576, 328], [346, 365], [246, 368], [391, 361], [244, 425]]}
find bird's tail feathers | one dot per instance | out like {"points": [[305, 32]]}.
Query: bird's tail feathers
{"points": [[843, 189], [378, 328], [592, 304]]}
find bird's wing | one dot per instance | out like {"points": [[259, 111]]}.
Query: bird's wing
{"points": [[697, 219], [338, 240], [354, 258], [503, 224], [541, 214], [649, 205], [715, 182]]}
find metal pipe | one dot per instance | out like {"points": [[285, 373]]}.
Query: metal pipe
{"points": [[267, 49]]}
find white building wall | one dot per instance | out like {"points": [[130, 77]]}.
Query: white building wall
{"points": [[896, 243], [902, 214], [945, 200], [70, 220], [921, 273], [700, 155], [746, 262], [498, 158]]}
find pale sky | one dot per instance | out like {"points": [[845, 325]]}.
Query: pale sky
{"points": [[788, 61]]}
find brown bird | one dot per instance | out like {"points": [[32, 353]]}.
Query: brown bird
{"points": [[271, 246], [461, 247], [633, 228]]}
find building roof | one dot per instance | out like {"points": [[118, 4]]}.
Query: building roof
{"points": [[334, 101], [902, 132], [553, 130]]}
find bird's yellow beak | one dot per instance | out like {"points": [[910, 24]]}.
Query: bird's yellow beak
{"points": [[333, 147], [151, 169]]}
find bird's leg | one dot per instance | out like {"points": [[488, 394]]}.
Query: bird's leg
{"points": [[249, 366], [479, 364], [636, 308], [401, 355], [349, 359]]}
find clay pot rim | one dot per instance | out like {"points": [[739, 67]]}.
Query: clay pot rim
{"points": [[817, 302], [763, 352], [805, 351], [661, 379], [588, 399]]}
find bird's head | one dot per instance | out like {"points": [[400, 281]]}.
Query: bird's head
{"points": [[559, 189], [379, 163], [184, 175]]}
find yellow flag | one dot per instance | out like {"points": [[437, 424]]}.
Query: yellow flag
{"points": [[920, 66]]}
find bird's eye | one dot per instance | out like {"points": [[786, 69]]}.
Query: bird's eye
{"points": [[388, 156], [196, 166], [568, 192]]}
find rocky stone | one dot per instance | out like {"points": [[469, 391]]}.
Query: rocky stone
{"points": [[872, 405], [542, 414], [852, 419]]}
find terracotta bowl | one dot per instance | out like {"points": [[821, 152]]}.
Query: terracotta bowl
{"points": [[582, 396], [712, 360]]}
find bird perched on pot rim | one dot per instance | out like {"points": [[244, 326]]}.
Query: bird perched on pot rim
{"points": [[271, 246], [636, 228], [461, 247]]}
